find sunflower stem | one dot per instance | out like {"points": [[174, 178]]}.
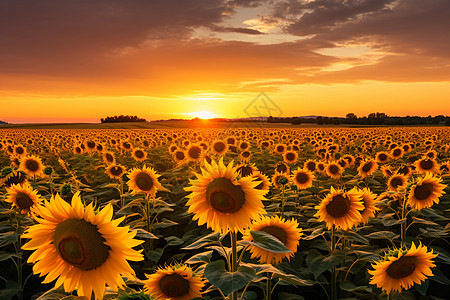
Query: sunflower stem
{"points": [[234, 260], [333, 270], [269, 287], [19, 260], [282, 201], [403, 225]]}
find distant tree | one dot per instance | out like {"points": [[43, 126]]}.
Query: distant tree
{"points": [[122, 118], [351, 116], [447, 121]]}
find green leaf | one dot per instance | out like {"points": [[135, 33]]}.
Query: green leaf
{"points": [[173, 241], [317, 232], [422, 288], [204, 257], [277, 273], [164, 223], [317, 263], [367, 256], [422, 221], [440, 277], [353, 236], [386, 235], [210, 239], [155, 255], [267, 242], [351, 287], [392, 222], [141, 233], [289, 296], [5, 255], [11, 289], [226, 281]]}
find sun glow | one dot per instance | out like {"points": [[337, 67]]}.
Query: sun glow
{"points": [[203, 114]]}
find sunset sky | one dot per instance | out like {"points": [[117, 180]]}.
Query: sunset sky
{"points": [[79, 61]]}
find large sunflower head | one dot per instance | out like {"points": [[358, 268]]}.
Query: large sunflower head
{"points": [[144, 181], [426, 165], [303, 178], [31, 165], [221, 201], [341, 209], [286, 232], [367, 168], [401, 268], [178, 282], [80, 247], [426, 191], [23, 197]]}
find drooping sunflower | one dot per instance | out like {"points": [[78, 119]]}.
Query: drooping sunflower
{"points": [[23, 197], [282, 167], [367, 168], [31, 165], [426, 165], [401, 268], [397, 182], [177, 282], [280, 179], [108, 157], [290, 157], [368, 200], [144, 181], [80, 248], [334, 170], [341, 209], [139, 154], [303, 178], [13, 178], [426, 191], [286, 231], [221, 201], [405, 170], [115, 171], [387, 172]]}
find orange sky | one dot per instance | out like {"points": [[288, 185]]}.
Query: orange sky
{"points": [[66, 62]]}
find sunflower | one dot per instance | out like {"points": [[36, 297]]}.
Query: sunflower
{"points": [[286, 232], [115, 171], [179, 156], [144, 181], [178, 282], [368, 200], [401, 268], [426, 191], [382, 157], [15, 177], [397, 152], [350, 159], [426, 165], [280, 148], [20, 150], [334, 170], [321, 167], [23, 197], [219, 147], [262, 180], [397, 182], [279, 179], [139, 154], [194, 153], [290, 157], [125, 145], [405, 170], [31, 165], [386, 170], [310, 165], [367, 168], [340, 209], [282, 167], [245, 155], [221, 201], [83, 248], [303, 178], [246, 169], [108, 157]]}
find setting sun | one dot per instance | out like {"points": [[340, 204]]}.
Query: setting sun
{"points": [[203, 114]]}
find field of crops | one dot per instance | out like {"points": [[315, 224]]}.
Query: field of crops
{"points": [[313, 213]]}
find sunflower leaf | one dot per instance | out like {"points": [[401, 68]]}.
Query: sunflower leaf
{"points": [[210, 239], [267, 242], [226, 281], [318, 263], [204, 257]]}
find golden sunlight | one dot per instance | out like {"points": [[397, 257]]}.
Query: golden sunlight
{"points": [[203, 114]]}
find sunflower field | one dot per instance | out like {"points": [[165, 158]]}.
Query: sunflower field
{"points": [[237, 213]]}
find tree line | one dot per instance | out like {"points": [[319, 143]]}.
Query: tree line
{"points": [[371, 119], [122, 118]]}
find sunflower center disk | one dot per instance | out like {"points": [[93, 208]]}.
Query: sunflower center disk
{"points": [[422, 192], [366, 168], [224, 196], [403, 267], [312, 166], [395, 182], [302, 178], [116, 171], [290, 156], [333, 169], [194, 152], [32, 165], [382, 157], [277, 232], [80, 244], [426, 164], [282, 168], [174, 285], [144, 181], [139, 154], [23, 201], [338, 206]]}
